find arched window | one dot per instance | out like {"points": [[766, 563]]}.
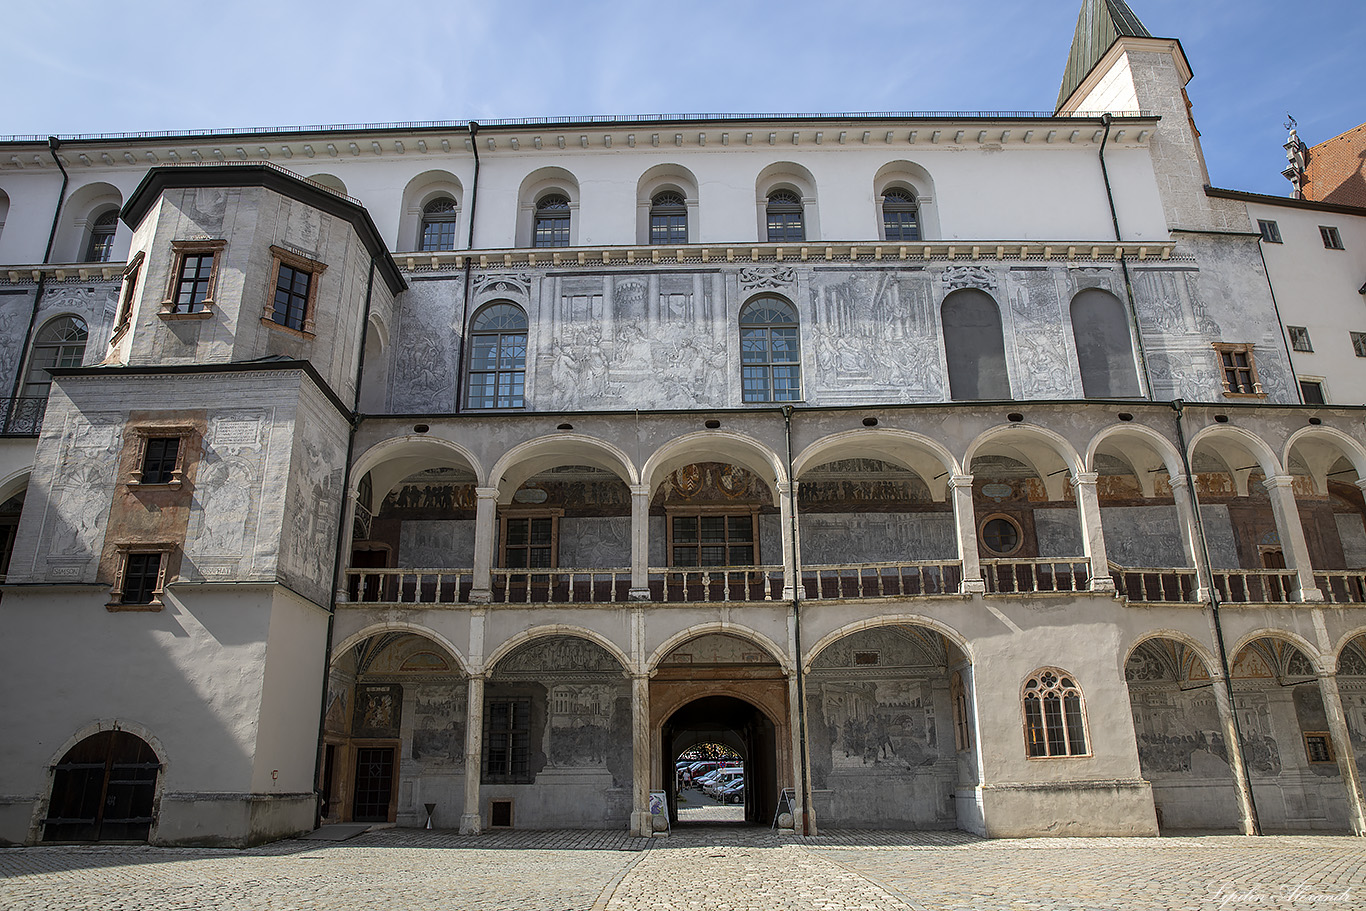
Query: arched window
{"points": [[785, 217], [974, 346], [1104, 350], [552, 221], [103, 789], [1054, 717], [60, 343], [101, 243], [668, 219], [900, 217], [497, 357], [770, 353], [438, 225]]}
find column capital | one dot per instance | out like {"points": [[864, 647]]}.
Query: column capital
{"points": [[640, 490], [1087, 478], [961, 480], [486, 493], [787, 488], [1179, 481], [1361, 482], [1279, 482]]}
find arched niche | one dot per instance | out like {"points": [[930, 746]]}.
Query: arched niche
{"points": [[974, 346], [1105, 351]]}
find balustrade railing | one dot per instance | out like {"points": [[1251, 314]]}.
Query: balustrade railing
{"points": [[716, 583], [409, 586], [1255, 586], [1342, 586], [1155, 585], [23, 416], [1037, 574], [560, 586], [881, 580]]}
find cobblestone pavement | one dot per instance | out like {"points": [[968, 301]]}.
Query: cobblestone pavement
{"points": [[717, 868]]}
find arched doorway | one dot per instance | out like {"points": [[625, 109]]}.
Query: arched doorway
{"points": [[739, 725], [103, 789]]}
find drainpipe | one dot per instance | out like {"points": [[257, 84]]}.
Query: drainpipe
{"points": [[469, 247], [1123, 264], [1179, 406], [53, 144], [803, 759], [342, 557]]}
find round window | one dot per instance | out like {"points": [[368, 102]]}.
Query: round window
{"points": [[1001, 535]]}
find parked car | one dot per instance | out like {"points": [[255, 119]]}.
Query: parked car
{"points": [[721, 779], [733, 792]]}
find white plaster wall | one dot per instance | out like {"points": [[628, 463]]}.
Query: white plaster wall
{"points": [[291, 691]]}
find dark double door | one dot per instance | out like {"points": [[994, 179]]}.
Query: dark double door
{"points": [[104, 789]]}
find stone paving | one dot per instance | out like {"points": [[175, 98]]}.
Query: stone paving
{"points": [[709, 868]]}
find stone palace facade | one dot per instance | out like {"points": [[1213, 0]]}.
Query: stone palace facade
{"points": [[953, 469]]}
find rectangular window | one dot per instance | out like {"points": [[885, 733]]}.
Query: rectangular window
{"points": [[1332, 240], [1299, 338], [1238, 369], [124, 317], [713, 539], [1359, 343], [141, 579], [529, 541], [1318, 746], [1312, 391], [160, 459], [1271, 232], [294, 284], [194, 278], [507, 739]]}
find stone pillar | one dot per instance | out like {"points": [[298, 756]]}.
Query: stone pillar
{"points": [[348, 518], [803, 820], [471, 821], [1291, 530], [640, 542], [1342, 745], [1247, 814], [965, 519], [641, 823], [787, 507], [1088, 508], [1183, 494], [485, 535]]}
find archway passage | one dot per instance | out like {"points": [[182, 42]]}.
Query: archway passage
{"points": [[104, 789], [739, 725]]}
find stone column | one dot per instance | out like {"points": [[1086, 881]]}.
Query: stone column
{"points": [[803, 821], [348, 518], [1247, 815], [1342, 744], [485, 534], [641, 823], [1291, 530], [471, 820], [640, 542], [965, 519], [1183, 495], [1088, 508], [787, 506]]}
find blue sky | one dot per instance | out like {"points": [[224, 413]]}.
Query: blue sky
{"points": [[85, 67]]}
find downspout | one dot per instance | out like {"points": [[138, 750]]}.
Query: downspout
{"points": [[342, 558], [803, 760], [1123, 263], [1179, 407], [469, 263], [1299, 392], [53, 144]]}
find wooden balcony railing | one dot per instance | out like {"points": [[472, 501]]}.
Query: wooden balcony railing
{"points": [[1346, 586], [1155, 585], [1037, 574], [881, 580]]}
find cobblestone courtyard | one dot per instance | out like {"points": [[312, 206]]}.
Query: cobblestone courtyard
{"points": [[712, 868]]}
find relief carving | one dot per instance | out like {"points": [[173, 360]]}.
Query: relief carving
{"points": [[955, 277], [767, 278]]}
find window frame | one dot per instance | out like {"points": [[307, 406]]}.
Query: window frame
{"points": [[1358, 343], [1299, 339], [283, 258], [784, 208], [768, 365], [1270, 231], [143, 435], [1013, 522], [528, 515], [671, 513], [123, 317], [118, 593], [543, 205], [1314, 381], [508, 773], [38, 343], [181, 251], [446, 217], [1327, 744], [1233, 349], [1037, 729], [1331, 237], [99, 244], [667, 211], [471, 336], [911, 206]]}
